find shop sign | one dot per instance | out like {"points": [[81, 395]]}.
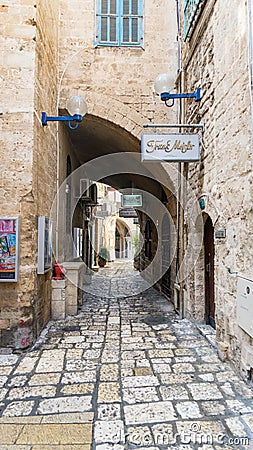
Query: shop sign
{"points": [[173, 147], [127, 212], [9, 249], [131, 200]]}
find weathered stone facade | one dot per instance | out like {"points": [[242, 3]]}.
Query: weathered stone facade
{"points": [[216, 59], [48, 54]]}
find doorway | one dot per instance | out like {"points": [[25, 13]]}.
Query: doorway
{"points": [[209, 272]]}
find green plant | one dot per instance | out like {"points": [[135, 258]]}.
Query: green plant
{"points": [[136, 242], [104, 254]]}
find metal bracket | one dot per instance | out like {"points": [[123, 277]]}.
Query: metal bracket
{"points": [[76, 118], [200, 125]]}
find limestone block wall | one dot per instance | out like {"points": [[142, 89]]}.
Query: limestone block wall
{"points": [[28, 86], [16, 121], [44, 168], [216, 59], [117, 81]]}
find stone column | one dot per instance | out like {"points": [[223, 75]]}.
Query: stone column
{"points": [[74, 279], [58, 307]]}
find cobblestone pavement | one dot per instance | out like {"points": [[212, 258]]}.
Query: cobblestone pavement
{"points": [[126, 373], [116, 280]]}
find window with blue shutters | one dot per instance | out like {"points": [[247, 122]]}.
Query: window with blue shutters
{"points": [[119, 23]]}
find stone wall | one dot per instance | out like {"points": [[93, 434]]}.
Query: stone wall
{"points": [[117, 79], [28, 84], [17, 88], [216, 59]]}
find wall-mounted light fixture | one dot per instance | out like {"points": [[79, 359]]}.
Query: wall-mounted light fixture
{"points": [[164, 83], [77, 108]]}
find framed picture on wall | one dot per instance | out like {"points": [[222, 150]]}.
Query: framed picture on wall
{"points": [[9, 246], [44, 245]]}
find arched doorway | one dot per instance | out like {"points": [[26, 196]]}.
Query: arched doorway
{"points": [[209, 272]]}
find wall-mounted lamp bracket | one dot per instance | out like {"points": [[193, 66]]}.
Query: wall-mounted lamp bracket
{"points": [[76, 118], [166, 96]]}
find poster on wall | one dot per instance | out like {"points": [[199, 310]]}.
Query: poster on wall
{"points": [[44, 245], [9, 249]]}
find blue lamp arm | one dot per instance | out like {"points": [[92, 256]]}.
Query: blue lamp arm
{"points": [[45, 118]]}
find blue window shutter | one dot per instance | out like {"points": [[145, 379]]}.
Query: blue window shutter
{"points": [[119, 22]]}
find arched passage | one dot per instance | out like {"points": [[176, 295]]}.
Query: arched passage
{"points": [[92, 144]]}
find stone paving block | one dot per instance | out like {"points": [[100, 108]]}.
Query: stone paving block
{"points": [[3, 380], [140, 381], [79, 365], [139, 436], [179, 378], [50, 365], [71, 417], [182, 368], [3, 393], [40, 379], [86, 376], [161, 353], [142, 371], [109, 432], [109, 412], [108, 392], [77, 388], [140, 395], [19, 408], [163, 434], [110, 356], [65, 404], [237, 406], [206, 376], [9, 433], [5, 370], [236, 426], [17, 380], [59, 447], [31, 391], [8, 360], [110, 447], [16, 447], [55, 434], [195, 429], [149, 413], [26, 365], [109, 372], [188, 410], [204, 391], [213, 408], [174, 393], [161, 368]]}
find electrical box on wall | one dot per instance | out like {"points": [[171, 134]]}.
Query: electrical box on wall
{"points": [[245, 303]]}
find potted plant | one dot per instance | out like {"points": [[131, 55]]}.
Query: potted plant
{"points": [[103, 257]]}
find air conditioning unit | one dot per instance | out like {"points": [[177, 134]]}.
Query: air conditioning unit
{"points": [[82, 190]]}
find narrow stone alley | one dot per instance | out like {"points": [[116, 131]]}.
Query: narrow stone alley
{"points": [[126, 373]]}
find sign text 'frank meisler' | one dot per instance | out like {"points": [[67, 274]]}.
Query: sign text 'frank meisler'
{"points": [[169, 147]]}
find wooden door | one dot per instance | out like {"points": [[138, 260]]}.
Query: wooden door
{"points": [[209, 273]]}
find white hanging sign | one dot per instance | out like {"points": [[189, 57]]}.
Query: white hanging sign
{"points": [[170, 147]]}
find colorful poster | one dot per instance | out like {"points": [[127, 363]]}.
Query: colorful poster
{"points": [[8, 249]]}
